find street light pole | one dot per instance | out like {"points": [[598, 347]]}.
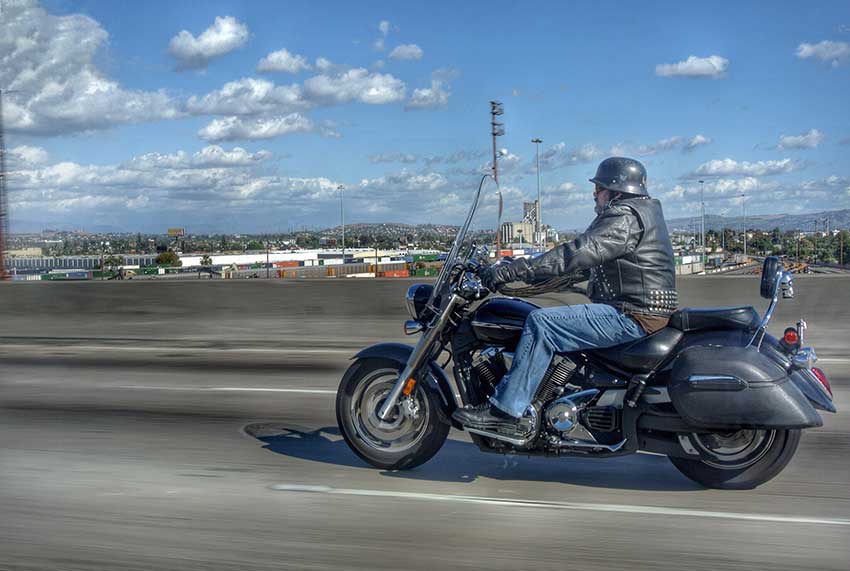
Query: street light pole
{"points": [[341, 188], [538, 215], [497, 130], [702, 225], [744, 204]]}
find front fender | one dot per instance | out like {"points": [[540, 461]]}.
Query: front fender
{"points": [[400, 353]]}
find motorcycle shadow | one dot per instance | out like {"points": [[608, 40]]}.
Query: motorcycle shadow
{"points": [[461, 462]]}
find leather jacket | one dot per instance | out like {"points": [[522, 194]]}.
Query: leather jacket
{"points": [[628, 254]]}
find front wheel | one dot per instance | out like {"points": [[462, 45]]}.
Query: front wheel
{"points": [[737, 460], [415, 431]]}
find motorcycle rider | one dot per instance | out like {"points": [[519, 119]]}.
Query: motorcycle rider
{"points": [[632, 287]]}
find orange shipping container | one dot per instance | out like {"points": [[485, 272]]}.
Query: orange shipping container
{"points": [[395, 274], [503, 253], [287, 264]]}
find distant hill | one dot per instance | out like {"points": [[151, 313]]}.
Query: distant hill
{"points": [[785, 222]]}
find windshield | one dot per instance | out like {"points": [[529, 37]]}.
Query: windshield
{"points": [[478, 228]]}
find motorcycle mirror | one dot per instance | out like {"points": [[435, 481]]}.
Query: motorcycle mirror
{"points": [[769, 272]]}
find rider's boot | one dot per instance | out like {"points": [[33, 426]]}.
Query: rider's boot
{"points": [[488, 417]]}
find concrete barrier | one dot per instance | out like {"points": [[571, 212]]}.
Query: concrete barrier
{"points": [[345, 313]]}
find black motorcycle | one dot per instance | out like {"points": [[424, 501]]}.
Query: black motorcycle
{"points": [[713, 391]]}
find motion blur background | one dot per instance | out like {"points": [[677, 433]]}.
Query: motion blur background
{"points": [[190, 424]]}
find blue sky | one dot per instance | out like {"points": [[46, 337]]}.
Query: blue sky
{"points": [[226, 116]]}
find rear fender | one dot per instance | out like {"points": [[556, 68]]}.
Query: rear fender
{"points": [[436, 380]]}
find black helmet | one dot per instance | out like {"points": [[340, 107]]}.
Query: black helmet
{"points": [[620, 174]]}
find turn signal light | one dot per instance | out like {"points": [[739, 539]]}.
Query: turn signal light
{"points": [[791, 337], [821, 376], [408, 387]]}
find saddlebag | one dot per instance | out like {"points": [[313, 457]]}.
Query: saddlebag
{"points": [[736, 387]]}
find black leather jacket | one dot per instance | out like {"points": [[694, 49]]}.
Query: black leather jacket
{"points": [[628, 254]]}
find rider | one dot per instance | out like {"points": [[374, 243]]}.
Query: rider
{"points": [[632, 286]]}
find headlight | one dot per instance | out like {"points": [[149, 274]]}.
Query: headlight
{"points": [[417, 297]]}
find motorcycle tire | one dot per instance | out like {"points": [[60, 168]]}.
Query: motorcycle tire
{"points": [[405, 441], [771, 461]]}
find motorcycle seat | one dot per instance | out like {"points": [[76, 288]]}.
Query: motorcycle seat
{"points": [[706, 318], [642, 355]]}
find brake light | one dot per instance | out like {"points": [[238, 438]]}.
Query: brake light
{"points": [[821, 376], [791, 337]]}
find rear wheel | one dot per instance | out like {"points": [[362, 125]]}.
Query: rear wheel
{"points": [[415, 431], [736, 460]]}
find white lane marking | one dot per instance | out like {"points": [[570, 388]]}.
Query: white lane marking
{"points": [[505, 502], [280, 350], [840, 360], [225, 389]]}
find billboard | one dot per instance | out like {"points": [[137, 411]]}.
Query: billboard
{"points": [[176, 232]]}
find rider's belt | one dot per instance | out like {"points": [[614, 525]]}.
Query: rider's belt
{"points": [[650, 323], [662, 300]]}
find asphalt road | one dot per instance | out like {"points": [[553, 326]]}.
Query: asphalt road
{"points": [[120, 449]]}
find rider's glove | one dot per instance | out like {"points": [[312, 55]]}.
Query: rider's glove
{"points": [[497, 274]]}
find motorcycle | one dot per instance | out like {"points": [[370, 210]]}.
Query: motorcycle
{"points": [[714, 392]]}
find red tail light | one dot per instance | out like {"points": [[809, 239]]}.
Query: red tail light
{"points": [[791, 337], [821, 376]]}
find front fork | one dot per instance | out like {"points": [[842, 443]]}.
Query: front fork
{"points": [[407, 379]]}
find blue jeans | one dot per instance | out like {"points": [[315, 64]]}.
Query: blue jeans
{"points": [[558, 330]]}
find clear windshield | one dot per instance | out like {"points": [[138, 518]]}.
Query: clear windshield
{"points": [[479, 228]]}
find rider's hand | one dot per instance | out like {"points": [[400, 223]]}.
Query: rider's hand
{"points": [[503, 273]]}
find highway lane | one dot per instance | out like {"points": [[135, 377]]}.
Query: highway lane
{"points": [[195, 461]]}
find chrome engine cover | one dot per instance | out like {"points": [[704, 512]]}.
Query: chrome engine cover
{"points": [[563, 414]]}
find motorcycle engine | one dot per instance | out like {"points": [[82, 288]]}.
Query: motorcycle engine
{"points": [[563, 414], [490, 367]]}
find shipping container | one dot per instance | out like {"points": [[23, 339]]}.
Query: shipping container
{"points": [[394, 274]]}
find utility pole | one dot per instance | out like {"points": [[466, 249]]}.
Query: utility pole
{"points": [[4, 215], [268, 270], [702, 225], [341, 188], [744, 204], [497, 130], [538, 215]]}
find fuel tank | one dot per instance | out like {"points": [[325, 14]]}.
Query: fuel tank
{"points": [[499, 321]]}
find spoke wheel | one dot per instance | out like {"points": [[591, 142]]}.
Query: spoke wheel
{"points": [[736, 460], [416, 429]]}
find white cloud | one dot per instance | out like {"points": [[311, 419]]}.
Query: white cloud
{"points": [[836, 53], [407, 158], [235, 128], [26, 155], [284, 61], [355, 85], [406, 51], [432, 97], [730, 167], [212, 156], [713, 67], [384, 27], [53, 85], [405, 181], [558, 155], [697, 141], [808, 140], [225, 35], [249, 96]]}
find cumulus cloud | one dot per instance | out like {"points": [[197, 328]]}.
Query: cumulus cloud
{"points": [[432, 97], [225, 35], [212, 156], [697, 141], [356, 84], [236, 128], [249, 96], [26, 155], [283, 61], [730, 167], [53, 84], [808, 140], [406, 51], [558, 155], [835, 53], [713, 67]]}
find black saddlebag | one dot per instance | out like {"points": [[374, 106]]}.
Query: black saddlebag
{"points": [[736, 387]]}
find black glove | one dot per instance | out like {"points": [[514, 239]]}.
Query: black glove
{"points": [[497, 274]]}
